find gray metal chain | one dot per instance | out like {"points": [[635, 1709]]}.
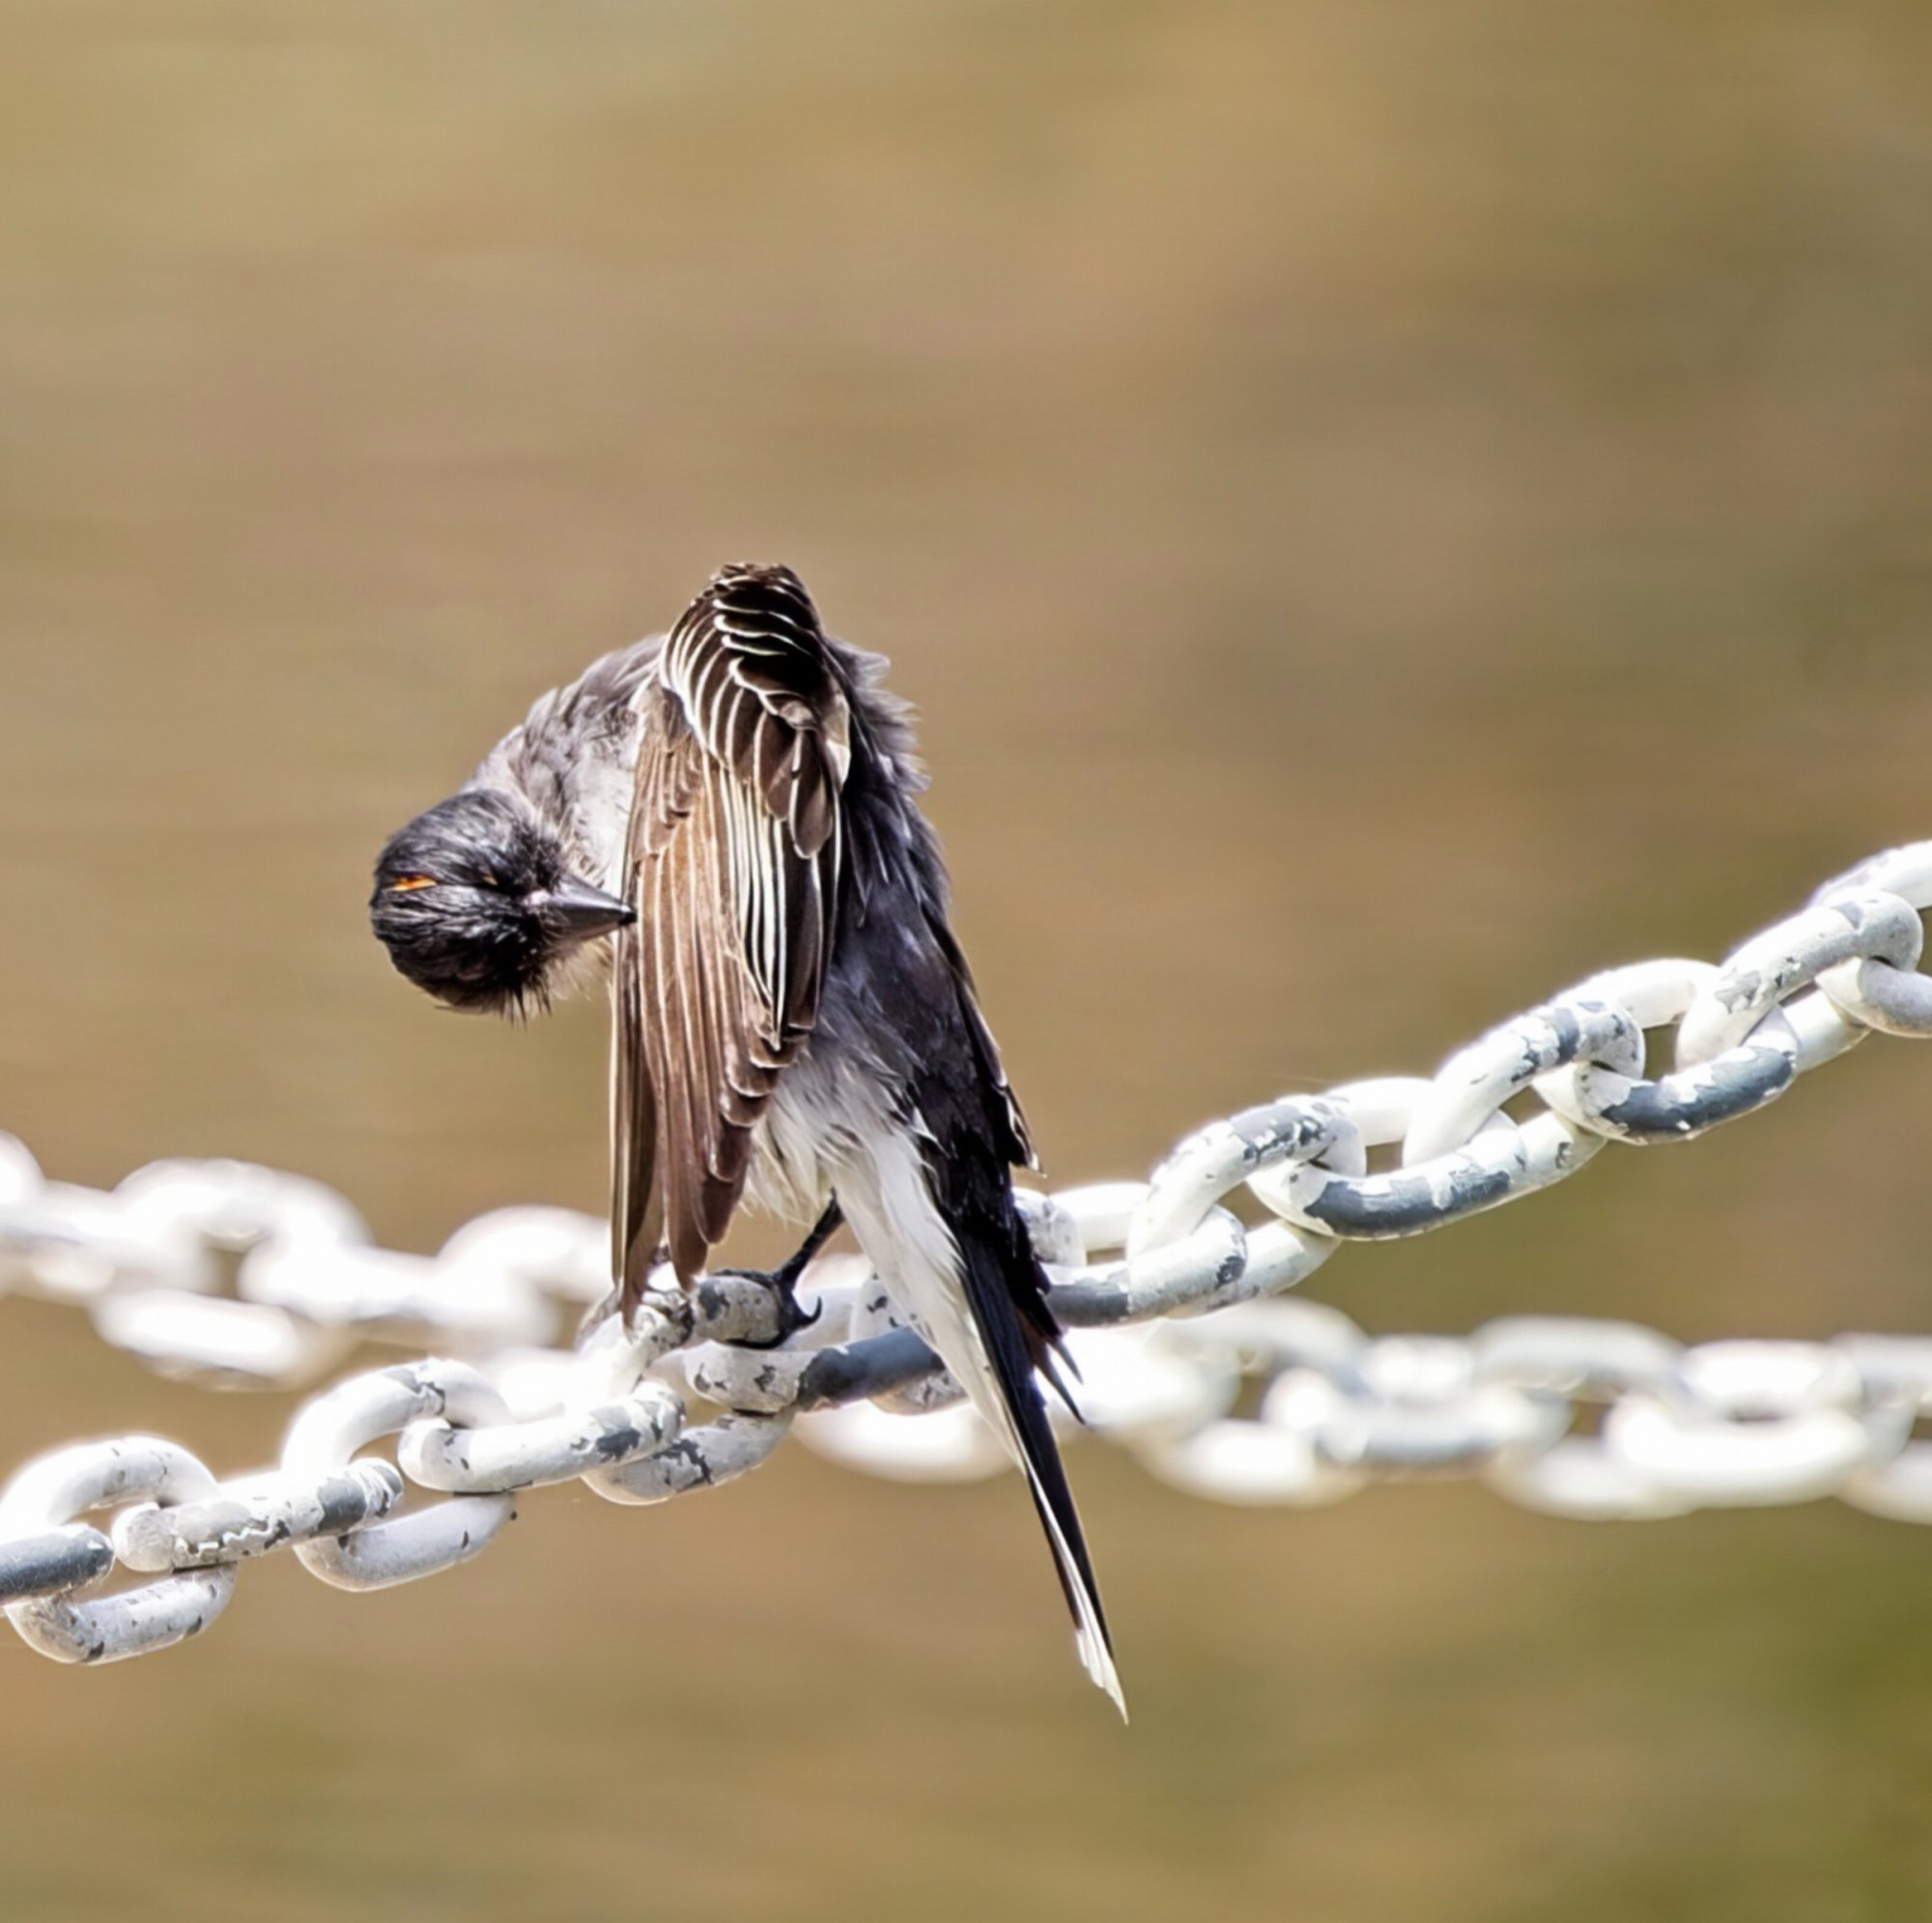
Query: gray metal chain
{"points": [[224, 1272]]}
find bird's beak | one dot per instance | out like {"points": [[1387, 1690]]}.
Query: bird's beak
{"points": [[582, 910]]}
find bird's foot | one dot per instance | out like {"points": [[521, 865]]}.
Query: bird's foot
{"points": [[784, 1281]]}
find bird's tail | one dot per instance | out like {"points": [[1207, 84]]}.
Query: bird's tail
{"points": [[940, 1221], [998, 1336], [1015, 1343]]}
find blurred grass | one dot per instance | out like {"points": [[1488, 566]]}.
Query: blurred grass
{"points": [[1386, 507]]}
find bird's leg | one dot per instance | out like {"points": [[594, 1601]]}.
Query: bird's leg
{"points": [[782, 1280]]}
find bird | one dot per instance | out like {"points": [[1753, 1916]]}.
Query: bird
{"points": [[723, 821]]}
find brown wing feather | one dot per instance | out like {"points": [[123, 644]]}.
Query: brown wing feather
{"points": [[637, 1216], [733, 866]]}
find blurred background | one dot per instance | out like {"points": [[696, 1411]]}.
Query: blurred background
{"points": [[1386, 506]]}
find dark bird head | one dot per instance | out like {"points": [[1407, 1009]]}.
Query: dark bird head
{"points": [[475, 905]]}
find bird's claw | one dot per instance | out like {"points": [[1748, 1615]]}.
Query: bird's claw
{"points": [[783, 1286]]}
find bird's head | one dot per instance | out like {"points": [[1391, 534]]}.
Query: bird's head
{"points": [[477, 906]]}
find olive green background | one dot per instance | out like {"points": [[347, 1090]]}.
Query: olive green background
{"points": [[1386, 506]]}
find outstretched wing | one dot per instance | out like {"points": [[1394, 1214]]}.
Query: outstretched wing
{"points": [[733, 865]]}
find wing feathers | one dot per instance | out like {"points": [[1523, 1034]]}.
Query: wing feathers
{"points": [[734, 864], [636, 1219]]}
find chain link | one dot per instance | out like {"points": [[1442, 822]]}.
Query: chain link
{"points": [[224, 1273]]}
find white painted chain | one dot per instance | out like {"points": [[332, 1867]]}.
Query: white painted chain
{"points": [[223, 1272]]}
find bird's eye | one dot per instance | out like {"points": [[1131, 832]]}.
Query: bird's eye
{"points": [[410, 882]]}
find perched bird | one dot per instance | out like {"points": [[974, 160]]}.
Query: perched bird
{"points": [[736, 802]]}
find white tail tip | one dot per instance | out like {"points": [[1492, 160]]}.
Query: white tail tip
{"points": [[1099, 1666]]}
